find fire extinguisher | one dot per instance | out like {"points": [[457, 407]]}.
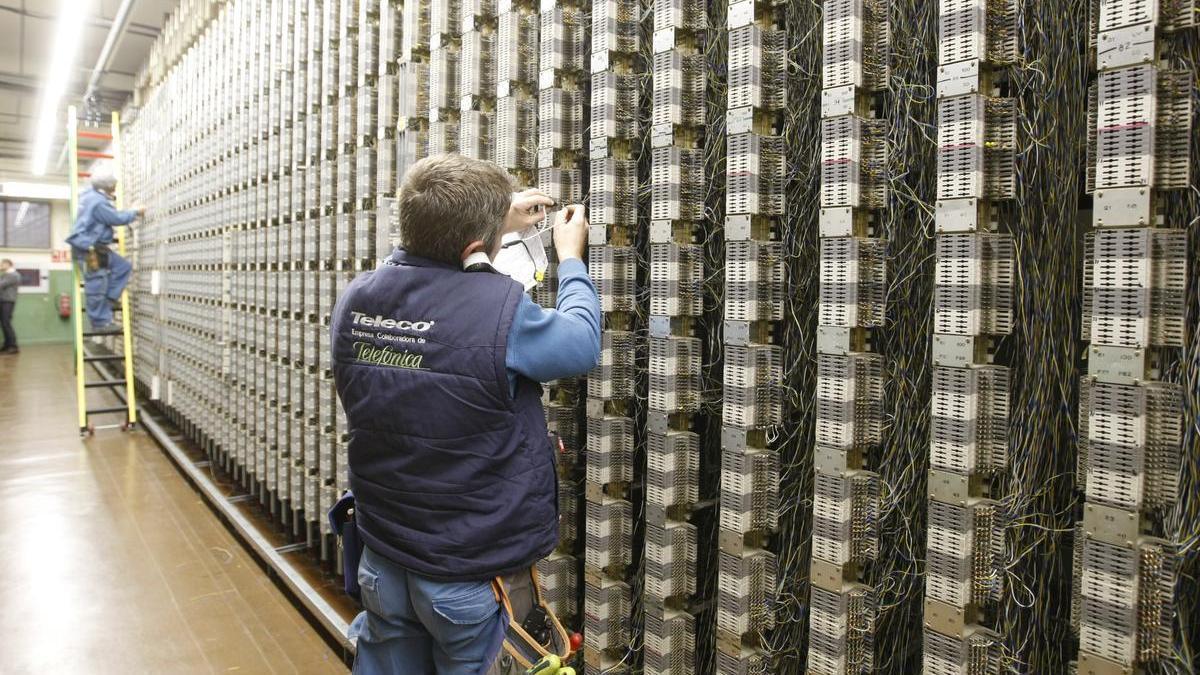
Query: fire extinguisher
{"points": [[64, 306]]}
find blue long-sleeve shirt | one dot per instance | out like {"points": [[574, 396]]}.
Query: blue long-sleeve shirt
{"points": [[96, 219], [548, 344]]}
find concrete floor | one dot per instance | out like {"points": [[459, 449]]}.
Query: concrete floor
{"points": [[111, 562]]}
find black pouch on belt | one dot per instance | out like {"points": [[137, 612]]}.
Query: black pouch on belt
{"points": [[97, 257], [341, 519], [539, 634]]}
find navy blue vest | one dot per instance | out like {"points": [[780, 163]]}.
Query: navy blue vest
{"points": [[454, 478]]}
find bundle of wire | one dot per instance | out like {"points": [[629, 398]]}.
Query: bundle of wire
{"points": [[907, 224], [1050, 86], [793, 439]]}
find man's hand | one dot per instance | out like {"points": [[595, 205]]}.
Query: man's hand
{"points": [[526, 210], [141, 210], [571, 232]]}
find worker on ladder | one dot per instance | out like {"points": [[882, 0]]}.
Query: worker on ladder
{"points": [[105, 272], [437, 356]]}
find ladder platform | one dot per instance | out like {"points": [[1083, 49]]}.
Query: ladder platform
{"points": [[110, 357], [104, 383], [108, 411]]}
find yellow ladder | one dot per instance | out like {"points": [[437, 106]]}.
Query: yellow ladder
{"points": [[83, 358]]}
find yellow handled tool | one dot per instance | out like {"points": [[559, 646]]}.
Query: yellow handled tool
{"points": [[549, 665]]}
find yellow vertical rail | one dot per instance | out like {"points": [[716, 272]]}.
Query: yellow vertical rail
{"points": [[126, 329], [77, 308]]}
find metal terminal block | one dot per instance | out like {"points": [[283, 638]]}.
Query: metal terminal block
{"points": [[677, 184], [614, 268], [745, 592], [964, 558], [960, 147], [842, 630], [1125, 122], [853, 282], [1116, 14], [615, 27], [754, 172], [676, 278], [855, 41], [970, 420], [607, 604], [443, 79], [610, 450], [1130, 443], [475, 134], [670, 559], [477, 70], [517, 49], [562, 38], [558, 575], [749, 490], [674, 374], [974, 276], [754, 289], [1125, 599], [683, 15], [757, 68], [846, 517], [670, 641], [563, 184], [560, 116], [1134, 287], [515, 132], [841, 161], [976, 651], [849, 400], [752, 396], [672, 464], [609, 536], [679, 83], [614, 105], [613, 198]]}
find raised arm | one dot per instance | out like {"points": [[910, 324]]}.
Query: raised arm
{"points": [[548, 344], [106, 214]]}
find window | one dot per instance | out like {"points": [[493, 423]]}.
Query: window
{"points": [[24, 224]]}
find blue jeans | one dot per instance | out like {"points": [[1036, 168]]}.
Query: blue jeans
{"points": [[413, 625], [102, 286]]}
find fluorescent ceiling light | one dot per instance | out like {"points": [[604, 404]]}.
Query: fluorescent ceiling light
{"points": [[21, 213], [21, 190], [68, 33]]}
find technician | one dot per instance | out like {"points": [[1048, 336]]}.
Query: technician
{"points": [[10, 283], [105, 272], [437, 359]]}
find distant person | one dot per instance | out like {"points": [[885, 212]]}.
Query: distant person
{"points": [[437, 359], [105, 272], [10, 281]]}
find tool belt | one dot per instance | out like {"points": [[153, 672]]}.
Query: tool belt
{"points": [[536, 635], [97, 257]]}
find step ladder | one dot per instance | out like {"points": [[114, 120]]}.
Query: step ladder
{"points": [[84, 358]]}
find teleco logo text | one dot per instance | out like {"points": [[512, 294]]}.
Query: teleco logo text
{"points": [[378, 321]]}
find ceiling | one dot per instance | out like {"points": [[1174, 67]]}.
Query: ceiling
{"points": [[26, 39]]}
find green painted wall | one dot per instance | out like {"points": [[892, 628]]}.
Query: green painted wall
{"points": [[36, 317]]}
